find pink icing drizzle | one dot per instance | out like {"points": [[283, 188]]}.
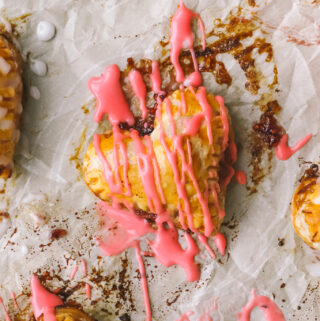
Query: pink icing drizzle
{"points": [[6, 315], [155, 78], [284, 152], [221, 243], [270, 309], [74, 272], [225, 123], [204, 241], [139, 88], [13, 297], [110, 98], [183, 37], [143, 281], [43, 302], [241, 177], [88, 291], [84, 267]]}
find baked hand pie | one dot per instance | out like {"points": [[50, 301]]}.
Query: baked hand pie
{"points": [[10, 102], [65, 313], [181, 167], [305, 211]]}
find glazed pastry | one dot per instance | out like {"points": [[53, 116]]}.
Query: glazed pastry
{"points": [[10, 102], [306, 208], [182, 129], [65, 313]]}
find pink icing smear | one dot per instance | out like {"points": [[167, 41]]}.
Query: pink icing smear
{"points": [[139, 88], [110, 98], [13, 297], [6, 315], [270, 309], [221, 243], [43, 302], [284, 152], [241, 177], [84, 267], [183, 37], [88, 290], [74, 272]]}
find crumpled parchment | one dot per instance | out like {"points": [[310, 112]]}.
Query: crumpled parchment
{"points": [[91, 35]]}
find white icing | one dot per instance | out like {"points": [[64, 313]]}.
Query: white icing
{"points": [[35, 92], [38, 67], [4, 66], [6, 124], [3, 112], [45, 30]]}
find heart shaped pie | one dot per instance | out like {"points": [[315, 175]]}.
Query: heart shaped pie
{"points": [[179, 168], [65, 313]]}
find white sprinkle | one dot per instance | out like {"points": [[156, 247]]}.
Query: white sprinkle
{"points": [[35, 92], [45, 30], [38, 67]]}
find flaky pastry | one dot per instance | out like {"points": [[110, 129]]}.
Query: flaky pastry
{"points": [[10, 102], [197, 153]]}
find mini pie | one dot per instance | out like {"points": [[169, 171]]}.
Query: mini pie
{"points": [[10, 102], [202, 159], [305, 212], [65, 313]]}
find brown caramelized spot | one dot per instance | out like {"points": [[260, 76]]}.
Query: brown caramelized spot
{"points": [[4, 214], [252, 3], [150, 217], [125, 317], [269, 130], [57, 234], [311, 172]]}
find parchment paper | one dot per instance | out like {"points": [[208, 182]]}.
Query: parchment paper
{"points": [[93, 34]]}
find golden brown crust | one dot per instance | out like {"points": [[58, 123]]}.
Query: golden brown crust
{"points": [[202, 160], [65, 313], [305, 211], [10, 102]]}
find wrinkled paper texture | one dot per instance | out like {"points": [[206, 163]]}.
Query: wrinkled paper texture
{"points": [[93, 34]]}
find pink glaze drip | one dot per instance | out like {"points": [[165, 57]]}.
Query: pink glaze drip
{"points": [[270, 309], [84, 267], [183, 37], [225, 123], [168, 250], [110, 98], [201, 96], [155, 78], [13, 297], [194, 79], [43, 302], [204, 240], [241, 177], [88, 291], [145, 162], [139, 88], [74, 272], [115, 187], [284, 152], [144, 282], [185, 316], [193, 125], [221, 243], [6, 315]]}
